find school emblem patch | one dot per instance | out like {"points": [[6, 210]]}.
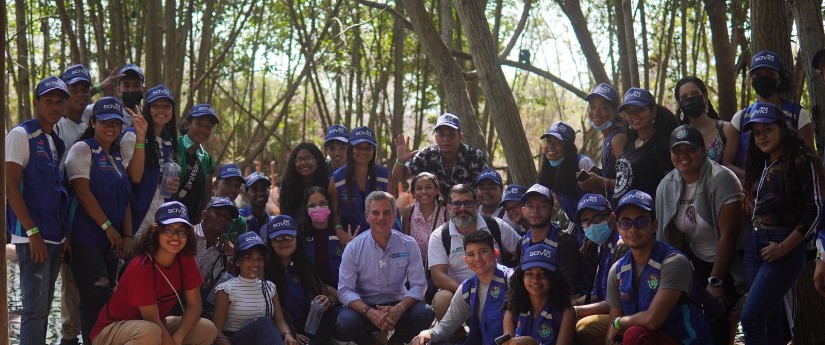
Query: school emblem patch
{"points": [[545, 331], [495, 291], [339, 251], [653, 281]]}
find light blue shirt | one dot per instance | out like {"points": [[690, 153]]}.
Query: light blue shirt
{"points": [[377, 276]]}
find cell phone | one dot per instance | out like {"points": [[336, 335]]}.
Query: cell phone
{"points": [[583, 176], [502, 339]]}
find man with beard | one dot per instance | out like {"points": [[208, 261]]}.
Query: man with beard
{"points": [[336, 144], [538, 211], [446, 246]]}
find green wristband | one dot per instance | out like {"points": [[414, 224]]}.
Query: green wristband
{"points": [[616, 323], [33, 231], [106, 225], [98, 88]]}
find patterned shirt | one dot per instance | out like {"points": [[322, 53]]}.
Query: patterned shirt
{"points": [[206, 257], [469, 163]]}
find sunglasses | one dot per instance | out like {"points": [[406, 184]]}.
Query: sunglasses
{"points": [[639, 223]]}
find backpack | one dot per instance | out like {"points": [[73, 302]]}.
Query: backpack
{"points": [[507, 259]]}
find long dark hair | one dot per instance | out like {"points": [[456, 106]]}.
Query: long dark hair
{"points": [[664, 122], [518, 300], [561, 179], [350, 173], [428, 176], [699, 84], [149, 243], [303, 268], [292, 184], [794, 152], [303, 220], [90, 133], [239, 256], [167, 133]]}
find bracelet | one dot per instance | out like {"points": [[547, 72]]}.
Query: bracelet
{"points": [[106, 225], [575, 313], [399, 162], [140, 145], [366, 309], [616, 323], [98, 88], [338, 226], [33, 231]]}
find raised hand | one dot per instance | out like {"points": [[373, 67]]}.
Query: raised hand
{"points": [[402, 148]]}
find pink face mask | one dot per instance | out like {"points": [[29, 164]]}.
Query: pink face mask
{"points": [[319, 214]]}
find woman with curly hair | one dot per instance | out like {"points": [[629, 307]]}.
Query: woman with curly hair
{"points": [[298, 284], [304, 169], [538, 301], [160, 277], [696, 110], [783, 193]]}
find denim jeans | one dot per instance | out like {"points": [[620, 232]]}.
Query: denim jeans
{"points": [[353, 326], [94, 273], [768, 282], [259, 331], [37, 287]]}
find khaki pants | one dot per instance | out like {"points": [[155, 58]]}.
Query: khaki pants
{"points": [[592, 330], [140, 332], [69, 304], [441, 302]]}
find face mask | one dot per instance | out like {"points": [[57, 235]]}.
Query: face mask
{"points": [[693, 106], [556, 163], [604, 126], [131, 99], [597, 232], [319, 214], [764, 86]]}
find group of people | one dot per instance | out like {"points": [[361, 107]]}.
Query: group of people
{"points": [[682, 216]]}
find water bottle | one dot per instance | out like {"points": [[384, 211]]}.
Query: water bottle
{"points": [[316, 310], [170, 171]]}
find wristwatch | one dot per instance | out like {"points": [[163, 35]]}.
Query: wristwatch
{"points": [[714, 281]]}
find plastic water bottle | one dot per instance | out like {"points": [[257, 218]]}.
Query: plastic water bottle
{"points": [[170, 171], [316, 310]]}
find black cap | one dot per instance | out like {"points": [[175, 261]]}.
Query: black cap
{"points": [[686, 134]]}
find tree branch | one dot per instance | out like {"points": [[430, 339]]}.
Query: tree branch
{"points": [[390, 9], [522, 23]]}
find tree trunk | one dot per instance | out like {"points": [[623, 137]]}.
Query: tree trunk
{"points": [[770, 31], [498, 94], [66, 27], [573, 10], [630, 36], [683, 37], [621, 38], [724, 58], [154, 44], [398, 39], [665, 59], [204, 50], [118, 48], [4, 118], [645, 57], [450, 73], [81, 32], [445, 21], [811, 39], [24, 102]]}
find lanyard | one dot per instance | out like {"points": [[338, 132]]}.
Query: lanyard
{"points": [[759, 187]]}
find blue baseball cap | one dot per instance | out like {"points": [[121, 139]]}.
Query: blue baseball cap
{"points": [[562, 131], [256, 177], [362, 134], [108, 108], [132, 68], [635, 198], [537, 189], [248, 240], [203, 110], [337, 132], [637, 97], [159, 92], [539, 255], [512, 192], [766, 59], [489, 174], [222, 201], [591, 201], [172, 212], [75, 74], [49, 84], [281, 225], [229, 170], [605, 91], [763, 113], [448, 120]]}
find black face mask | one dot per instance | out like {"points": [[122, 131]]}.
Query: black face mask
{"points": [[693, 106], [132, 98], [764, 86]]}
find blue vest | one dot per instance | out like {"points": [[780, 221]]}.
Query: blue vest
{"points": [[607, 253], [252, 222], [552, 238], [791, 111], [42, 187], [334, 253], [350, 203], [486, 330], [686, 322], [296, 301], [570, 204], [112, 193], [544, 328], [144, 191]]}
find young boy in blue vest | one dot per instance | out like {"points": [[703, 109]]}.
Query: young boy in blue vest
{"points": [[483, 293], [653, 298], [37, 201]]}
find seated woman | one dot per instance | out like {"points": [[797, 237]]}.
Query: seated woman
{"points": [[538, 309], [247, 309], [299, 283], [318, 235], [152, 285]]}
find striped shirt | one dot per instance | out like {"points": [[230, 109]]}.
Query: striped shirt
{"points": [[246, 301]]}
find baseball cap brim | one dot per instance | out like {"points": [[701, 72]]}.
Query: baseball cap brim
{"points": [[683, 142], [448, 124], [358, 141], [157, 98], [248, 245], [762, 120], [603, 96], [501, 204], [257, 179], [175, 220], [274, 234], [52, 89], [597, 208], [339, 138], [532, 193], [554, 134], [546, 265], [76, 80], [108, 116], [634, 103], [621, 207], [215, 117], [764, 65]]}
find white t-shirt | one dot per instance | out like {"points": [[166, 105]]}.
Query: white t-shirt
{"points": [[17, 151], [456, 267], [804, 118], [701, 233], [69, 131], [246, 301], [79, 161]]}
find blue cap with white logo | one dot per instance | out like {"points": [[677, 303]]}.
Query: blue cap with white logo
{"points": [[203, 110], [281, 225], [637, 97], [362, 134], [337, 132], [448, 120], [248, 240], [762, 112], [512, 192], [75, 74], [539, 255], [766, 59], [489, 174], [636, 198], [256, 177], [49, 84], [562, 131], [229, 170], [591, 201], [222, 201], [108, 108], [605, 91], [134, 69], [159, 92], [172, 212]]}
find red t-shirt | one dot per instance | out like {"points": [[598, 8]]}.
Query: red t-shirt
{"points": [[143, 284]]}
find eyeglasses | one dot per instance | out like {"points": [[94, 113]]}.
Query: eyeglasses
{"points": [[596, 219], [639, 223], [322, 203], [284, 238], [169, 232], [304, 160], [466, 204], [114, 123]]}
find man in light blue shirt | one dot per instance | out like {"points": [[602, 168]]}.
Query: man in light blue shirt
{"points": [[375, 269]]}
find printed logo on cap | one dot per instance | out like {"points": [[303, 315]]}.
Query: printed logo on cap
{"points": [[637, 194], [511, 191], [113, 106], [205, 108], [602, 89], [284, 222], [559, 128], [55, 83], [761, 110], [488, 173], [174, 210], [588, 200], [81, 70], [162, 91], [681, 134], [338, 130], [363, 132], [769, 57], [634, 94], [233, 170], [544, 252]]}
